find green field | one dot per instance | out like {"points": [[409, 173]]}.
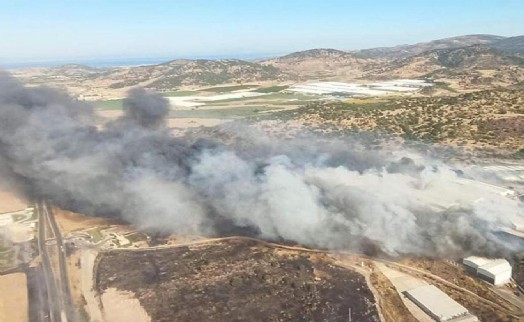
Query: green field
{"points": [[116, 104], [136, 237], [181, 93], [18, 217], [273, 98], [95, 234], [254, 105], [222, 89], [223, 113], [271, 89], [7, 254]]}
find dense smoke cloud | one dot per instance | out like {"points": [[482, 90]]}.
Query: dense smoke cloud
{"points": [[319, 193]]}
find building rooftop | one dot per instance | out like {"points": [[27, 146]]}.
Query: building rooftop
{"points": [[436, 303], [475, 261], [496, 266]]}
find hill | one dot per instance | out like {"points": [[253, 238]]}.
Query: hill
{"points": [[491, 119], [321, 63], [463, 63], [102, 83], [404, 51], [465, 68], [511, 45], [176, 73]]}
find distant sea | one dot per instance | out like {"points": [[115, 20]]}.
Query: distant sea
{"points": [[122, 61]]}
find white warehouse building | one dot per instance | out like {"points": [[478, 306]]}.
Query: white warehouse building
{"points": [[439, 305], [495, 271]]}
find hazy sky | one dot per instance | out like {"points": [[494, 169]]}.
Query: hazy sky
{"points": [[83, 29]]}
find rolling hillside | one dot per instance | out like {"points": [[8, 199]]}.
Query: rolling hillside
{"points": [[511, 45], [321, 63], [465, 68], [461, 63], [404, 51], [178, 73]]}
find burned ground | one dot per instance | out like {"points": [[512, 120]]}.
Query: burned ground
{"points": [[518, 270], [237, 280]]}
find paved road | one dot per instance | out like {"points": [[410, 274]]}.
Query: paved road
{"points": [[37, 292], [67, 299], [53, 302]]}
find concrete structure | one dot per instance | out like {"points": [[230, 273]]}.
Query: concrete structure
{"points": [[474, 262], [495, 271], [438, 304]]}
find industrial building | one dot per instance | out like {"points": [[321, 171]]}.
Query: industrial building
{"points": [[439, 305], [495, 271]]}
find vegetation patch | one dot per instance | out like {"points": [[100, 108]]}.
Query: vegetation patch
{"points": [[223, 113], [271, 89], [116, 104], [223, 89]]}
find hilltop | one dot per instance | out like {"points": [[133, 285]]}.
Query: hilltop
{"points": [[511, 45], [460, 63], [178, 73], [464, 68], [321, 63], [90, 83], [404, 51]]}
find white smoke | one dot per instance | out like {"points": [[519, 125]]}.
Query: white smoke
{"points": [[316, 192]]}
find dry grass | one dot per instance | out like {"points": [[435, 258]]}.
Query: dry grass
{"points": [[13, 298], [391, 305], [69, 221], [10, 202]]}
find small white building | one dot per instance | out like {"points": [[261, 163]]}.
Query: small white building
{"points": [[495, 271]]}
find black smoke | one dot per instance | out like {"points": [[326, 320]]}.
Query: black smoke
{"points": [[320, 193]]}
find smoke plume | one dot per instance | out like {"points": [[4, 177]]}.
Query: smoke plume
{"points": [[320, 193]]}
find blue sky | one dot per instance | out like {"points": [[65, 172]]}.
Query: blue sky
{"points": [[85, 29]]}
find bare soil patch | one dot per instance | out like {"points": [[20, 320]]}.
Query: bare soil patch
{"points": [[122, 306], [13, 297], [10, 202], [69, 221]]}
